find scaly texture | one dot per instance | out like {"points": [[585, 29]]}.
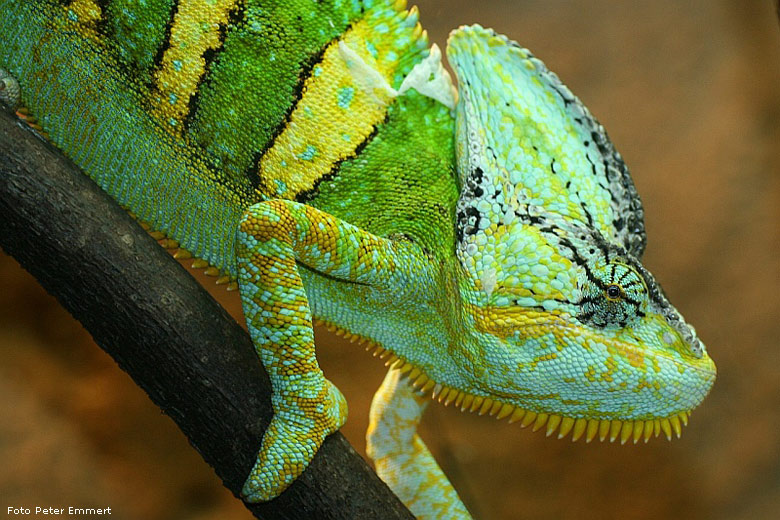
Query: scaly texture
{"points": [[400, 455], [314, 153]]}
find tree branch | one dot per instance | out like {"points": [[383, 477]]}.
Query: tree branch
{"points": [[163, 328]]}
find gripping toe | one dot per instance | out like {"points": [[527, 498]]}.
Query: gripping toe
{"points": [[296, 432]]}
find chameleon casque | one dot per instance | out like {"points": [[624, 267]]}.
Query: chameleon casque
{"points": [[316, 153]]}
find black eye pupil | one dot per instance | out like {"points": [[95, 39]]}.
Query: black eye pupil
{"points": [[613, 291]]}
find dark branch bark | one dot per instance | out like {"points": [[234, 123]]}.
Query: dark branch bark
{"points": [[163, 328]]}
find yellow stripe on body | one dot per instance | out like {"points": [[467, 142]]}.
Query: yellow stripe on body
{"points": [[338, 111], [195, 30]]}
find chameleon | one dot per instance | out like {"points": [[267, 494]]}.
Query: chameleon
{"points": [[484, 239]]}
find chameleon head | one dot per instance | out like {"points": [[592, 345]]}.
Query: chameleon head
{"points": [[560, 317]]}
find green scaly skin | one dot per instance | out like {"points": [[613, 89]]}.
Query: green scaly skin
{"points": [[314, 154]]}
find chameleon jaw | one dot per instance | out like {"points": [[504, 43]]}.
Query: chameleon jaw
{"points": [[578, 427], [611, 429]]}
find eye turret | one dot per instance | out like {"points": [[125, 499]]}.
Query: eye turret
{"points": [[613, 295]]}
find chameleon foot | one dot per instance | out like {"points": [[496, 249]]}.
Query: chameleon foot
{"points": [[401, 458], [297, 430]]}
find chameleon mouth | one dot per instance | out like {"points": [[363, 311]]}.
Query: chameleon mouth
{"points": [[551, 424]]}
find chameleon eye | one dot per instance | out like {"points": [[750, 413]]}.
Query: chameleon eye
{"points": [[613, 292], [612, 295]]}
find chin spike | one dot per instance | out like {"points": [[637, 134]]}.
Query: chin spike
{"points": [[567, 423], [667, 428], [639, 427], [626, 430], [580, 425], [518, 414], [591, 430], [454, 395], [505, 410], [604, 426], [528, 419], [421, 380], [392, 359], [459, 399], [541, 420], [676, 426], [552, 424], [614, 429], [648, 430]]}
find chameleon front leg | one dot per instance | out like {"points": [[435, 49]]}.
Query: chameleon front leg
{"points": [[273, 237], [400, 456]]}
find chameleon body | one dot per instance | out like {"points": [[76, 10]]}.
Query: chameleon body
{"points": [[313, 153]]}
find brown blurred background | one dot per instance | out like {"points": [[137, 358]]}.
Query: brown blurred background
{"points": [[690, 94]]}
